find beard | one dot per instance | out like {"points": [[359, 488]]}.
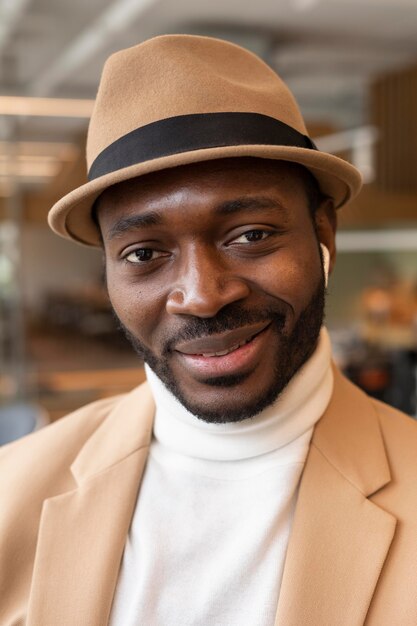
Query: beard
{"points": [[295, 348]]}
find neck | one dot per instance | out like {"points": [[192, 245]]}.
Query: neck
{"points": [[294, 412]]}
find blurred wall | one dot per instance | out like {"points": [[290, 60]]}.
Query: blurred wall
{"points": [[51, 263]]}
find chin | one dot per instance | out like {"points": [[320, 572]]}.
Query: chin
{"points": [[224, 400]]}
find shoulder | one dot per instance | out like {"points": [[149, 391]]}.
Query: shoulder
{"points": [[398, 430], [32, 470], [367, 436], [53, 448], [357, 406], [404, 425], [400, 436]]}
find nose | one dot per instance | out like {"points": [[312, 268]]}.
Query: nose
{"points": [[204, 285]]}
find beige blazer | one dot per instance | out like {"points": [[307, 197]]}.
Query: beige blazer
{"points": [[68, 493]]}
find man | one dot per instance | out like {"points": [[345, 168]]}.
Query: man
{"points": [[247, 482]]}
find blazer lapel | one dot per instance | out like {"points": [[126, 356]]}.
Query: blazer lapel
{"points": [[340, 538], [83, 532]]}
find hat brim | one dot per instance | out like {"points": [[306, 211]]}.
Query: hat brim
{"points": [[71, 217]]}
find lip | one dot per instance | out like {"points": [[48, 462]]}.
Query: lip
{"points": [[219, 343], [239, 361]]}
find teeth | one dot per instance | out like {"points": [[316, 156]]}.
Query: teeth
{"points": [[223, 352]]}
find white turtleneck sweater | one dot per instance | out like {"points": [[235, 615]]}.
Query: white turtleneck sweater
{"points": [[209, 534]]}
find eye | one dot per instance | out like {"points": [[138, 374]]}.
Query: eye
{"points": [[252, 236], [143, 255]]}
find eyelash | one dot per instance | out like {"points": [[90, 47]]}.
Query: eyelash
{"points": [[265, 235], [143, 261], [253, 230]]}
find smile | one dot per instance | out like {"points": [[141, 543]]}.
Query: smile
{"points": [[231, 353], [222, 344], [224, 352]]}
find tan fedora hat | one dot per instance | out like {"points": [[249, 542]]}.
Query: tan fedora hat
{"points": [[179, 99]]}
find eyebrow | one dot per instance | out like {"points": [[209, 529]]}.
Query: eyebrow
{"points": [[253, 203], [124, 224], [229, 207]]}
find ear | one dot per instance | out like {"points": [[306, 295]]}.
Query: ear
{"points": [[326, 224]]}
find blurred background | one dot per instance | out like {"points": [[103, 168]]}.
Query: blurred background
{"points": [[352, 65]]}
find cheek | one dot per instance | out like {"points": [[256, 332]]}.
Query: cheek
{"points": [[138, 306], [123, 303], [127, 299], [291, 276]]}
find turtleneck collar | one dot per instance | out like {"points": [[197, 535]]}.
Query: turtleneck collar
{"points": [[295, 412]]}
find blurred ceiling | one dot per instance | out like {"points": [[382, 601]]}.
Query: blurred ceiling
{"points": [[328, 51]]}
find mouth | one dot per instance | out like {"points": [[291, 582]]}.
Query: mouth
{"points": [[229, 350], [236, 352], [220, 345]]}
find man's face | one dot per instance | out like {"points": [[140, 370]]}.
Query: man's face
{"points": [[214, 272]]}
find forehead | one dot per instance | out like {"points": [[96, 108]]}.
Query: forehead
{"points": [[208, 184]]}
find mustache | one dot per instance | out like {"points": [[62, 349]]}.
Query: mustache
{"points": [[229, 318]]}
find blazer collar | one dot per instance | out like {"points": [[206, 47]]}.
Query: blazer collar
{"points": [[127, 428], [83, 532], [349, 437], [340, 539]]}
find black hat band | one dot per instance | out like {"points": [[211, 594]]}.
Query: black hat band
{"points": [[185, 133]]}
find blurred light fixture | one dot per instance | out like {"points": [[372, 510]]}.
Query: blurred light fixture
{"points": [[114, 19], [304, 5], [31, 169], [61, 150], [45, 107], [377, 240], [28, 158], [11, 11], [359, 142]]}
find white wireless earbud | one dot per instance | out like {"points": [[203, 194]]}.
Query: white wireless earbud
{"points": [[326, 263]]}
